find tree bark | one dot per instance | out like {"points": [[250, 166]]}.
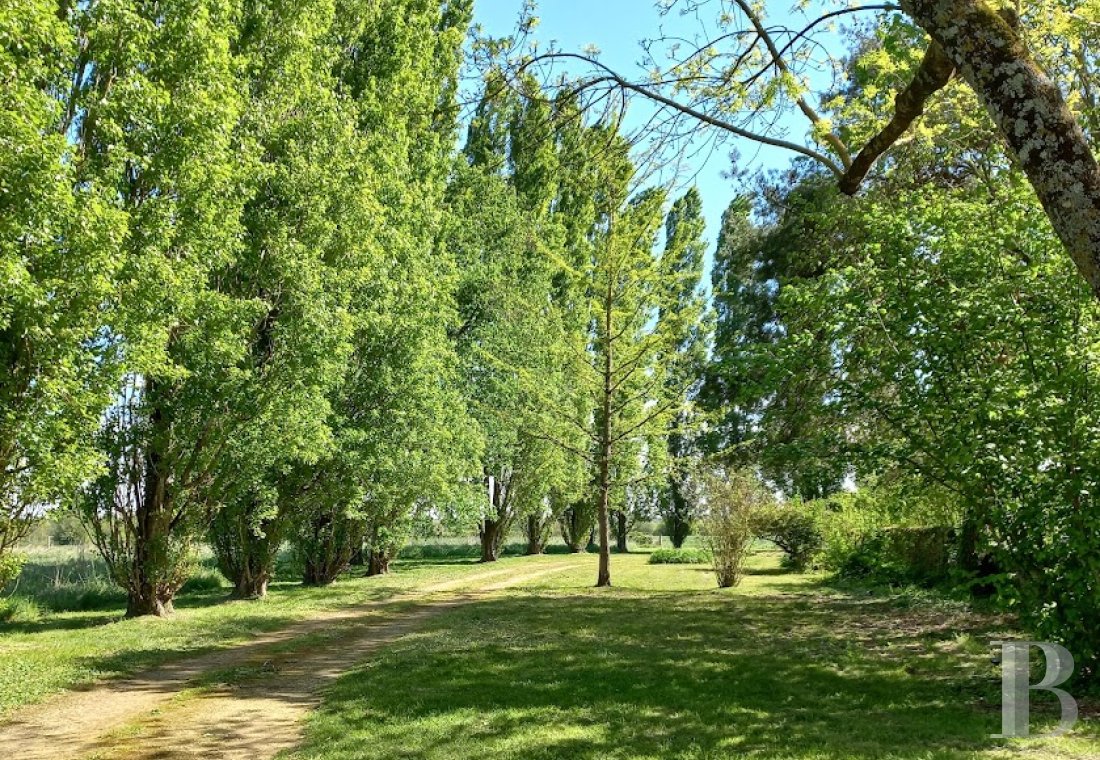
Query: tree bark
{"points": [[378, 563], [620, 532], [603, 578], [1031, 114], [492, 539], [251, 586], [535, 542], [152, 584]]}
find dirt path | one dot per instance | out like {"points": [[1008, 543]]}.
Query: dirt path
{"points": [[152, 715]]}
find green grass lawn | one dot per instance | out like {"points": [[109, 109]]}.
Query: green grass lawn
{"points": [[665, 666], [49, 650]]}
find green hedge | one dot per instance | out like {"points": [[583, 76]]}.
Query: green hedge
{"points": [[679, 557]]}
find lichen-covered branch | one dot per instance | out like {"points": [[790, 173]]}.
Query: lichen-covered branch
{"points": [[1032, 115]]}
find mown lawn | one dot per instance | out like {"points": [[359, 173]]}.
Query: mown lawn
{"points": [[664, 666], [57, 650]]}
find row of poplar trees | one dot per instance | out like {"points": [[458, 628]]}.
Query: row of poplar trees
{"points": [[252, 293]]}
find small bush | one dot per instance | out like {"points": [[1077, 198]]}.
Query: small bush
{"points": [[641, 539], [679, 557], [20, 609], [203, 580], [11, 564], [794, 530], [729, 502]]}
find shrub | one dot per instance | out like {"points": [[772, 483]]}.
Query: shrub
{"points": [[679, 557], [203, 579], [901, 555], [729, 502], [20, 609], [11, 564], [794, 530], [641, 539]]}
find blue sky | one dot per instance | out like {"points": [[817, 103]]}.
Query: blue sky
{"points": [[616, 27]]}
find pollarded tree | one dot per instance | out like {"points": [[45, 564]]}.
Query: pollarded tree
{"points": [[58, 244]]}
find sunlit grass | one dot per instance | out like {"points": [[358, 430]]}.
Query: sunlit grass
{"points": [[664, 665], [57, 650]]}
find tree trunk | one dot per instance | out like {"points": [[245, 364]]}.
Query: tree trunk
{"points": [[620, 532], [492, 539], [678, 523], [378, 562], [604, 576], [154, 575], [576, 527], [251, 586], [1031, 114], [358, 556], [246, 547], [535, 542]]}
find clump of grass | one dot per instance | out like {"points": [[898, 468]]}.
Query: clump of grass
{"points": [[203, 579], [679, 557], [20, 609]]}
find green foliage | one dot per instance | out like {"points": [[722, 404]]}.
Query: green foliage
{"points": [[513, 336], [899, 555], [729, 502], [11, 564], [679, 557], [793, 529], [59, 235]]}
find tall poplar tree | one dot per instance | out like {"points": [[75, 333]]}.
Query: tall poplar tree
{"points": [[155, 116], [402, 441], [306, 199], [683, 259], [59, 240], [512, 334]]}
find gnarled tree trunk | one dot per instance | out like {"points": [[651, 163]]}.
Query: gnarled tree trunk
{"points": [[245, 547], [535, 530], [576, 527], [156, 570], [378, 561]]}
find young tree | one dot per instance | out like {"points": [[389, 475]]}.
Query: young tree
{"points": [[637, 328]]}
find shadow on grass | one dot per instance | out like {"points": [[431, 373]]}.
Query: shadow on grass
{"points": [[688, 675]]}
